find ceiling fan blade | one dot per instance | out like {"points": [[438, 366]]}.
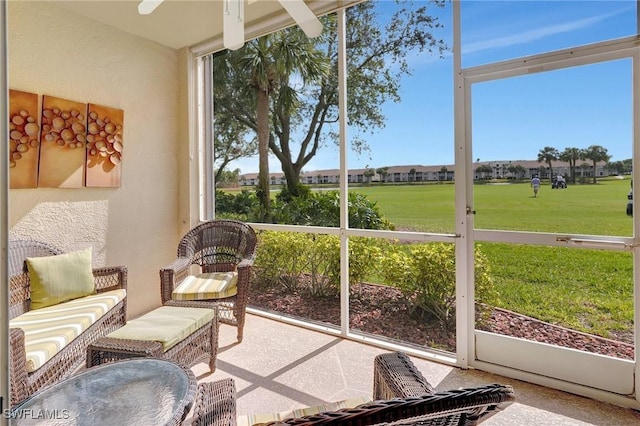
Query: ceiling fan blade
{"points": [[303, 16], [145, 7], [233, 24]]}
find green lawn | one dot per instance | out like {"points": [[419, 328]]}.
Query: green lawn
{"points": [[584, 289], [587, 290], [582, 209]]}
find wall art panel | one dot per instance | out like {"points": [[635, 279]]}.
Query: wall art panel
{"points": [[24, 139], [104, 146], [62, 143]]}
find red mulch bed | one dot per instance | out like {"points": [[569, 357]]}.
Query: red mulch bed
{"points": [[381, 310]]}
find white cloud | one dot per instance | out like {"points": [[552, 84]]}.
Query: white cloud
{"points": [[537, 34]]}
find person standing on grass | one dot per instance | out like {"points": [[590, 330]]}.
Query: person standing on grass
{"points": [[535, 184]]}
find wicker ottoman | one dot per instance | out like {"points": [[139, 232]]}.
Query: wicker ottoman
{"points": [[182, 334]]}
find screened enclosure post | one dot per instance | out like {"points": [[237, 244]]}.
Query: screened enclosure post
{"points": [[636, 217], [344, 187], [463, 204], [208, 162], [4, 225]]}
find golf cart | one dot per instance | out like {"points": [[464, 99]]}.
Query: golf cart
{"points": [[558, 182]]}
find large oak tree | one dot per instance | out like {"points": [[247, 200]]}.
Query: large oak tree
{"points": [[302, 106]]}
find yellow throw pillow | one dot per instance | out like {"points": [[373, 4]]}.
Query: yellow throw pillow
{"points": [[56, 279]]}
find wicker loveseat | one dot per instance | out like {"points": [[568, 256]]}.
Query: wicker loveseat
{"points": [[34, 367]]}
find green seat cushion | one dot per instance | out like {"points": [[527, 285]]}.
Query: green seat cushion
{"points": [[56, 279], [256, 419], [168, 325], [212, 285], [48, 330]]}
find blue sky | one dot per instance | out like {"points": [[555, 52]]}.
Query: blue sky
{"points": [[514, 118]]}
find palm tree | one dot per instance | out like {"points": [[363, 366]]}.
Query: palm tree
{"points": [[571, 156], [443, 172], [583, 169], [547, 155], [383, 172], [517, 171], [483, 170], [368, 174], [268, 64], [596, 154]]}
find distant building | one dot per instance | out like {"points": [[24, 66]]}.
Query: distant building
{"points": [[446, 172]]}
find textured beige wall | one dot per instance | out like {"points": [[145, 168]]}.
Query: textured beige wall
{"points": [[53, 52]]}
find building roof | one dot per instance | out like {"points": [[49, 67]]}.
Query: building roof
{"points": [[406, 169]]}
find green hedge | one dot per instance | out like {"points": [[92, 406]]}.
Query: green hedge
{"points": [[310, 263], [424, 273], [311, 208]]}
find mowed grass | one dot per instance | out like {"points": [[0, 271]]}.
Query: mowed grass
{"points": [[586, 290], [583, 289], [580, 209]]}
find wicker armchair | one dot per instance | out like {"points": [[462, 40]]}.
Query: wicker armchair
{"points": [[72, 356], [410, 401], [216, 246]]}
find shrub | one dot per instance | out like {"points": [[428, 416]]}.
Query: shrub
{"points": [[364, 255], [310, 263], [281, 259], [297, 262], [286, 195], [425, 273], [322, 208], [365, 214], [321, 250], [241, 206], [224, 202]]}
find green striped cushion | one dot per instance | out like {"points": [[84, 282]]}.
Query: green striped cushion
{"points": [[168, 325], [213, 285], [48, 330], [256, 419]]}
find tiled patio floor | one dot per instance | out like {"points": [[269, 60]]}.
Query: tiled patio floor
{"points": [[279, 366]]}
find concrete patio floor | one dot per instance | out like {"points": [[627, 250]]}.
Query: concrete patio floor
{"points": [[279, 367]]}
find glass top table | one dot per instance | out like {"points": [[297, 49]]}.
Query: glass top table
{"points": [[140, 391]]}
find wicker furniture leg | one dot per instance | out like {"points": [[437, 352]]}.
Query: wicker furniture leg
{"points": [[396, 376], [215, 404]]}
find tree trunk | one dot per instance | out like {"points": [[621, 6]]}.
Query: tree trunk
{"points": [[572, 170], [292, 175], [262, 121], [219, 171], [594, 172]]}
